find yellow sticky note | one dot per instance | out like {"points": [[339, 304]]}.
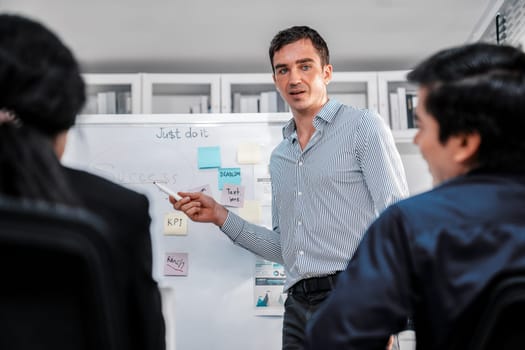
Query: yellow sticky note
{"points": [[248, 153], [175, 224], [251, 211]]}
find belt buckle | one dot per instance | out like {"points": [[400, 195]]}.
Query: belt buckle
{"points": [[305, 286], [300, 287]]}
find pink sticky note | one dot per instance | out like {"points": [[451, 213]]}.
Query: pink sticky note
{"points": [[176, 264], [204, 189], [233, 195]]}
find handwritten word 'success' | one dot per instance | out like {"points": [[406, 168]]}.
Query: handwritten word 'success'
{"points": [[120, 176], [177, 134]]}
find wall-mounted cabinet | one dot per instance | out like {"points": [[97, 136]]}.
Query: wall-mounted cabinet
{"points": [[112, 94], [253, 93], [180, 93], [357, 89], [386, 92], [250, 93], [397, 99]]}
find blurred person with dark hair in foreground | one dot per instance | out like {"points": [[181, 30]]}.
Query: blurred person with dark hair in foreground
{"points": [[41, 92]]}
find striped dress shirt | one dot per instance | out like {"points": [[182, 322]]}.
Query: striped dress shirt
{"points": [[326, 195]]}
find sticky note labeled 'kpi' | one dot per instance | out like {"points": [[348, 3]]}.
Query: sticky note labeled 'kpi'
{"points": [[209, 157], [176, 264], [175, 223]]}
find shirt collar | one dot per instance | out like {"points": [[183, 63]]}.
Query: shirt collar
{"points": [[327, 114]]}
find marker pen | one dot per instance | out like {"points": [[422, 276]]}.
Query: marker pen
{"points": [[168, 191]]}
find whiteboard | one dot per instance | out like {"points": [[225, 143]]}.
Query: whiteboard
{"points": [[214, 304]]}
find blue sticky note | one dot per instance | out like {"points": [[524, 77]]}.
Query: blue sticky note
{"points": [[209, 157], [229, 176]]}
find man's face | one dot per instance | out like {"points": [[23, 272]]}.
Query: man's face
{"points": [[441, 160], [300, 77]]}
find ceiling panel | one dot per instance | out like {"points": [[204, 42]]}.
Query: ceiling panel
{"points": [[232, 36]]}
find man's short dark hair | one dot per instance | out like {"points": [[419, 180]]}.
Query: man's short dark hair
{"points": [[293, 34], [479, 88]]}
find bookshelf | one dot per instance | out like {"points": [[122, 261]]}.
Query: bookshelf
{"points": [[358, 89], [112, 94], [397, 99], [250, 93], [148, 93], [180, 93], [247, 92]]}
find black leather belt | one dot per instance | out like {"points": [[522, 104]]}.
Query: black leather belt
{"points": [[314, 285]]}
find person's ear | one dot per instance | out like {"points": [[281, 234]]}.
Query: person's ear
{"points": [[327, 73], [59, 143], [467, 148]]}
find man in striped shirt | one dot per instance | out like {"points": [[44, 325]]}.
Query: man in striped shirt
{"points": [[336, 169]]}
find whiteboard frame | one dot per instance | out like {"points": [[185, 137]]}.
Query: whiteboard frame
{"points": [[204, 118]]}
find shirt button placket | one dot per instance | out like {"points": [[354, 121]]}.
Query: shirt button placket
{"points": [[300, 163]]}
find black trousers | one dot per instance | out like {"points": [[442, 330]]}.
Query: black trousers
{"points": [[298, 309]]}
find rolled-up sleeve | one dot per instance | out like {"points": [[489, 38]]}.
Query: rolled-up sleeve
{"points": [[257, 239]]}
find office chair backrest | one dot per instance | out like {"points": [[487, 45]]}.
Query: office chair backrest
{"points": [[56, 289], [502, 322]]}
